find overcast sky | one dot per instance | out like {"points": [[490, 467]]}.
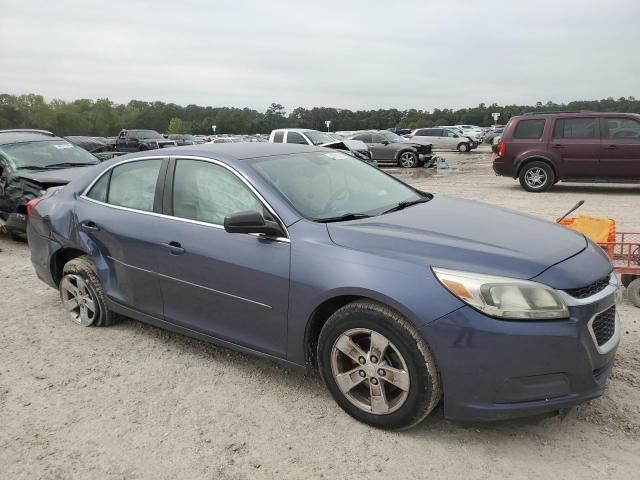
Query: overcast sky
{"points": [[345, 54]]}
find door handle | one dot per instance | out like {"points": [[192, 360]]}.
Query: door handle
{"points": [[89, 226], [557, 145], [174, 248], [611, 147]]}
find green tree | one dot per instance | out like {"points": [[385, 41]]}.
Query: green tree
{"points": [[176, 125]]}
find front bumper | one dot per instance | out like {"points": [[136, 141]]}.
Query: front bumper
{"points": [[494, 369]]}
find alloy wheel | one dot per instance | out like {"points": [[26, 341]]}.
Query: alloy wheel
{"points": [[78, 300], [536, 177], [407, 160], [370, 371]]}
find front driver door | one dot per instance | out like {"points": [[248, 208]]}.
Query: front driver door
{"points": [[620, 157], [232, 286], [381, 149]]}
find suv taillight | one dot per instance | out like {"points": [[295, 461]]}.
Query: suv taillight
{"points": [[502, 149]]}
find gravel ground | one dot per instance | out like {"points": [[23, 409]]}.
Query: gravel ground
{"points": [[133, 401]]}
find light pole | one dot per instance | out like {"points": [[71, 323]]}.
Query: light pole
{"points": [[214, 128], [328, 124]]}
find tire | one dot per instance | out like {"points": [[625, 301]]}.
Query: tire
{"points": [[463, 147], [18, 237], [537, 177], [82, 295], [633, 292], [406, 353], [408, 159]]}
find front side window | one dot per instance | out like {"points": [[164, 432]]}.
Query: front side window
{"points": [[376, 138], [529, 129], [332, 184], [295, 137], [576, 128], [131, 185], [621, 128], [318, 138], [363, 138], [207, 192]]}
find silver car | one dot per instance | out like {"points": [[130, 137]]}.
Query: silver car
{"points": [[442, 139]]}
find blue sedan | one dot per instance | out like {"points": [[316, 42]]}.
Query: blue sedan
{"points": [[313, 258]]}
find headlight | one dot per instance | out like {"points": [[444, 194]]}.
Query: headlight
{"points": [[508, 298]]}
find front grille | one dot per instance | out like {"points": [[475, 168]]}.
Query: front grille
{"points": [[604, 326], [595, 287]]}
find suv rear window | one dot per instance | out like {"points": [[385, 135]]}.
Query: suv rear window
{"points": [[576, 128], [529, 129], [277, 137]]}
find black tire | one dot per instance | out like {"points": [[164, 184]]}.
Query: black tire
{"points": [[537, 177], [633, 292], [424, 389], [83, 268], [463, 147], [408, 159]]}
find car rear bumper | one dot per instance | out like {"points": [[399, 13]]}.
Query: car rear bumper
{"points": [[499, 166], [42, 251], [494, 369]]}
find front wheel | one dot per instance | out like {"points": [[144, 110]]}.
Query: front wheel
{"points": [[408, 160], [463, 147], [377, 366], [633, 292], [537, 177]]}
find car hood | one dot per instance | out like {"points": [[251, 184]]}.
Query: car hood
{"points": [[58, 176], [463, 235]]}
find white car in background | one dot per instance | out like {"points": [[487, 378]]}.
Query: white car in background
{"points": [[474, 137], [442, 139], [473, 130]]}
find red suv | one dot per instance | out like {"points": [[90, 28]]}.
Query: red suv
{"points": [[543, 149]]}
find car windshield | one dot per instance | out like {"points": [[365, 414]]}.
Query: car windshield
{"points": [[332, 185], [319, 138], [146, 134], [54, 153], [393, 138]]}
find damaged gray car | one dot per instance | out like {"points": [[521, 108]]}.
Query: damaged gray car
{"points": [[32, 161]]}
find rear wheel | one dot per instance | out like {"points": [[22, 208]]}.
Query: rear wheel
{"points": [[633, 292], [82, 295], [408, 160], [537, 177], [377, 366], [463, 147]]}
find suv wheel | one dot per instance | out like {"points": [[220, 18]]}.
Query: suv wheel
{"points": [[537, 177], [408, 160], [463, 147], [633, 292], [82, 295], [377, 366]]}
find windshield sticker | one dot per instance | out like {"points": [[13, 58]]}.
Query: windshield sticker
{"points": [[336, 156], [68, 145]]}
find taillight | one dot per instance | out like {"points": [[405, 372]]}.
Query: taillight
{"points": [[31, 204], [502, 149]]}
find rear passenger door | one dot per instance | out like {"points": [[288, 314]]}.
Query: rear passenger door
{"points": [[576, 143], [620, 157]]}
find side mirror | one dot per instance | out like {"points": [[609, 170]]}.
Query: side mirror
{"points": [[385, 142], [251, 222]]}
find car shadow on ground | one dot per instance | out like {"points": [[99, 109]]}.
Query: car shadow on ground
{"points": [[587, 188]]}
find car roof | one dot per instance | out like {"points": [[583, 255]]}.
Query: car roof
{"points": [[296, 130], [7, 137], [229, 152], [585, 113]]}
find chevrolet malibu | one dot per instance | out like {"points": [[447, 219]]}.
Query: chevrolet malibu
{"points": [[313, 258]]}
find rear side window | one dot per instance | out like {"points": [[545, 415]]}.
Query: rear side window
{"points": [[277, 137], [295, 137], [132, 185], [363, 138], [529, 129], [576, 128], [422, 132]]}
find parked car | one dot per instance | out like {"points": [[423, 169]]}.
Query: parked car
{"points": [[473, 130], [475, 140], [442, 139], [543, 149], [493, 134], [388, 148], [400, 131], [99, 147], [137, 140], [399, 297], [182, 139], [306, 136], [32, 161]]}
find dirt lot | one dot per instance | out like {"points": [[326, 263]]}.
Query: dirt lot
{"points": [[133, 401]]}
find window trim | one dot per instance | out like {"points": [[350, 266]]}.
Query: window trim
{"points": [[167, 173]]}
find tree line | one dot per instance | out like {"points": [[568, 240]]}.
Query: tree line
{"points": [[104, 118]]}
